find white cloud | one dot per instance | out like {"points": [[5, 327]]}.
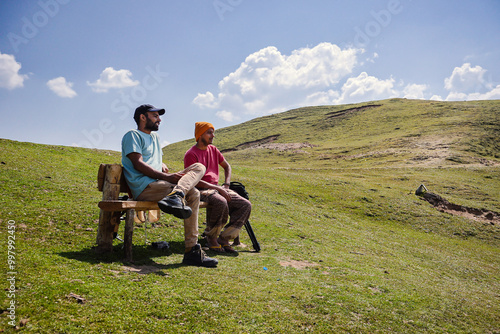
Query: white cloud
{"points": [[322, 98], [206, 100], [61, 87], [366, 88], [465, 79], [9, 72], [268, 81], [456, 96], [493, 94], [226, 115], [414, 91], [111, 78], [468, 83]]}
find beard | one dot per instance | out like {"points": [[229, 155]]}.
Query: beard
{"points": [[151, 126], [206, 142]]}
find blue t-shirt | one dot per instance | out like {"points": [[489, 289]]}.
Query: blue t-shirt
{"points": [[148, 145]]}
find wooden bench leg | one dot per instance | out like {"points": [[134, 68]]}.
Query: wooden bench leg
{"points": [[110, 176], [129, 231], [107, 222]]}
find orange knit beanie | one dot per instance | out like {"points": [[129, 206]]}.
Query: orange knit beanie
{"points": [[200, 128]]}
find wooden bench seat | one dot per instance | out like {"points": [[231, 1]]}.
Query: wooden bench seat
{"points": [[111, 182], [119, 205]]}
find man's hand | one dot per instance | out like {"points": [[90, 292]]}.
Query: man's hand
{"points": [[224, 193], [221, 190], [173, 178], [164, 168], [147, 170]]}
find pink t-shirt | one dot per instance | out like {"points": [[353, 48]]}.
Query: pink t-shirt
{"points": [[210, 158]]}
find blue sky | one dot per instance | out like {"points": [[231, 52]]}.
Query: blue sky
{"points": [[72, 72]]}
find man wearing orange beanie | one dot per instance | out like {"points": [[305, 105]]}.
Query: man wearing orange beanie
{"points": [[223, 203], [200, 128]]}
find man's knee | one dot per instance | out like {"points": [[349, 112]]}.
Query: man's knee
{"points": [[198, 167], [243, 202], [219, 200], [155, 191], [248, 205]]}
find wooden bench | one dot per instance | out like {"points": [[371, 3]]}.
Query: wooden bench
{"points": [[111, 182]]}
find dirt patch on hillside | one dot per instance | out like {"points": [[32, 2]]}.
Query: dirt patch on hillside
{"points": [[298, 264], [335, 114], [429, 151], [443, 205], [269, 143], [140, 269], [440, 151], [252, 144], [282, 147]]}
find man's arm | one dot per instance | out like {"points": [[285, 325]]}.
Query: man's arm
{"points": [[227, 173], [221, 190], [144, 168]]}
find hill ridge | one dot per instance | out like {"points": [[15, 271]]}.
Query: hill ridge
{"points": [[393, 132]]}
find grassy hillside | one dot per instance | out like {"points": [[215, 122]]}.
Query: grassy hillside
{"points": [[393, 133], [347, 247]]}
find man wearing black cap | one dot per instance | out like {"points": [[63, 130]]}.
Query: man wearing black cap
{"points": [[149, 180]]}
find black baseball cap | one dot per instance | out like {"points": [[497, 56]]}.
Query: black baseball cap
{"points": [[144, 108]]}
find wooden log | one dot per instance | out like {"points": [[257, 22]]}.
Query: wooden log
{"points": [[108, 219], [100, 176], [129, 231], [117, 205]]}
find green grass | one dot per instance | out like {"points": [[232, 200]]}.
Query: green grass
{"points": [[377, 258]]}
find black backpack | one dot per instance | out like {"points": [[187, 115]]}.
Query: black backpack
{"points": [[239, 188]]}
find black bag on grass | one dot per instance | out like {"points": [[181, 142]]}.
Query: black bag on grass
{"points": [[239, 188]]}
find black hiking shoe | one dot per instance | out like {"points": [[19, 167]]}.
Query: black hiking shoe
{"points": [[174, 204], [197, 257]]}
